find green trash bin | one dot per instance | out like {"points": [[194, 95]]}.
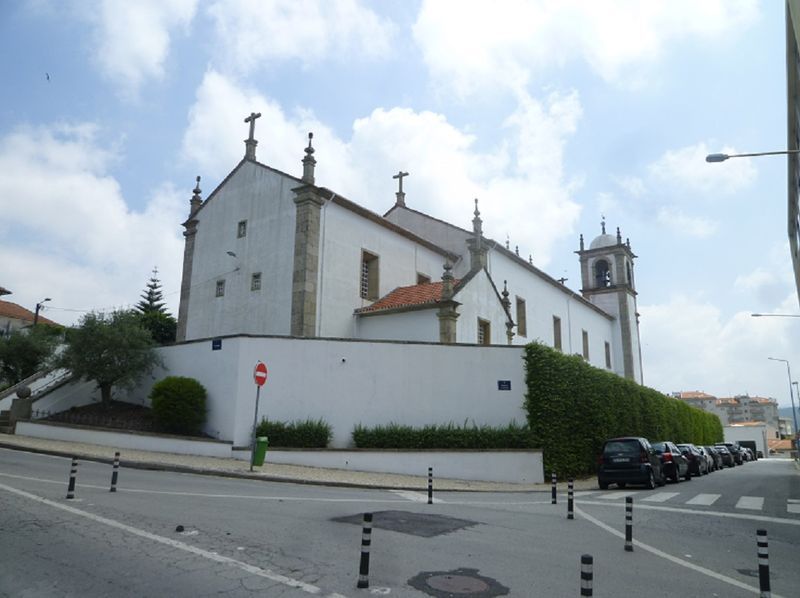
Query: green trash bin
{"points": [[261, 451]]}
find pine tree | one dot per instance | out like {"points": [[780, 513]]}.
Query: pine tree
{"points": [[152, 300]]}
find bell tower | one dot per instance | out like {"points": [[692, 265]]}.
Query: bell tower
{"points": [[607, 277]]}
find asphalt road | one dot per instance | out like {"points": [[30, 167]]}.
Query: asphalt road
{"points": [[247, 538]]}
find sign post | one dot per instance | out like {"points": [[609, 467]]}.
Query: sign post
{"points": [[259, 377]]}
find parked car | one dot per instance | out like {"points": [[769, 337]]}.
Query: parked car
{"points": [[674, 464], [697, 461], [725, 455], [629, 460], [735, 450], [716, 458]]}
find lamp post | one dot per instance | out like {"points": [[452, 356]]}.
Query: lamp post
{"points": [[39, 307], [797, 392], [723, 157], [791, 394]]}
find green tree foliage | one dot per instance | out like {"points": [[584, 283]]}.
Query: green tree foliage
{"points": [[448, 436], [23, 353], [573, 408], [179, 405], [162, 326], [153, 315], [113, 350], [151, 298]]}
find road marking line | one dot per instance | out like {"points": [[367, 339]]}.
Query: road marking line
{"points": [[752, 503], [258, 571], [661, 496], [615, 495], [414, 496], [674, 559], [704, 499], [783, 520]]}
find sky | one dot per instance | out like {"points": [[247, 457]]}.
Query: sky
{"points": [[554, 113]]}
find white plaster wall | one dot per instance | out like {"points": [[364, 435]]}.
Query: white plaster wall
{"points": [[443, 234], [265, 199], [419, 325], [347, 382], [479, 300], [344, 234], [758, 434], [543, 300]]}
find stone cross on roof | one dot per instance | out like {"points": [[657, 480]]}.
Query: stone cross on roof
{"points": [[401, 197], [251, 143]]}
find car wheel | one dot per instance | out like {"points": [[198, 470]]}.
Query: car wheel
{"points": [[603, 485], [688, 475], [675, 477], [662, 481], [651, 481]]}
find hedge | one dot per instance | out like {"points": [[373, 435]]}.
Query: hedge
{"points": [[448, 436], [573, 407], [298, 434]]}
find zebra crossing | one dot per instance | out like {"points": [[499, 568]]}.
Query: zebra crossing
{"points": [[743, 503]]}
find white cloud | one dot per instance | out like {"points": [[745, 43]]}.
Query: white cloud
{"points": [[687, 169], [634, 186], [688, 344], [472, 45], [252, 33], [520, 184], [132, 39], [692, 226], [93, 251]]}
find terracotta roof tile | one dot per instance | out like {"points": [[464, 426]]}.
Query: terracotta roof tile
{"points": [[17, 312], [412, 296], [695, 394]]}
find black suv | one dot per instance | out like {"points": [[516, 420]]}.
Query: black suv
{"points": [[629, 460], [675, 465]]}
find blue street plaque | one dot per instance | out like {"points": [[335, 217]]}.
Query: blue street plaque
{"points": [[504, 385], [216, 344]]}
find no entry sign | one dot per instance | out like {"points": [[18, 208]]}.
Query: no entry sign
{"points": [[260, 373]]}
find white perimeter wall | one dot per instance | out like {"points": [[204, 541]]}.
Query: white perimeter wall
{"points": [[758, 434], [349, 382]]}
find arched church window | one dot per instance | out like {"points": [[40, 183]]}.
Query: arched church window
{"points": [[602, 274]]}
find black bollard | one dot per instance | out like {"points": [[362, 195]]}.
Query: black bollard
{"points": [[570, 501], [587, 576], [430, 485], [114, 473], [629, 523], [73, 472], [763, 563], [366, 541], [553, 482]]}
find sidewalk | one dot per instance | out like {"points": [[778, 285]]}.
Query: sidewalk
{"points": [[269, 471]]}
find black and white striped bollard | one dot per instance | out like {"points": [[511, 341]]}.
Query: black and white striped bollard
{"points": [[629, 523], [553, 481], [73, 472], [114, 473], [763, 563], [430, 485], [587, 576], [366, 541], [570, 501]]}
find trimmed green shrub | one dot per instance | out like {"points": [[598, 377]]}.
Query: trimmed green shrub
{"points": [[449, 436], [298, 434], [179, 405], [573, 407]]}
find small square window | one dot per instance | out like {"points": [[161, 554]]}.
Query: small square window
{"points": [[557, 333], [369, 276], [241, 229], [522, 320], [585, 336], [484, 332], [255, 282], [220, 288]]}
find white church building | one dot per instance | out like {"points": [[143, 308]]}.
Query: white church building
{"points": [[269, 253]]}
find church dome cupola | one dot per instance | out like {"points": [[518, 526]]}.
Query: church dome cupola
{"points": [[603, 239]]}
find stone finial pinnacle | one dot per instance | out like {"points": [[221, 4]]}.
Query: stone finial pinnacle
{"points": [[250, 143], [309, 162], [447, 282], [401, 197], [477, 223], [508, 242], [516, 250], [581, 241], [603, 224], [530, 259], [619, 237]]}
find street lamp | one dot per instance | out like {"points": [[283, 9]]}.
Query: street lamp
{"points": [[791, 394], [723, 157], [38, 307]]}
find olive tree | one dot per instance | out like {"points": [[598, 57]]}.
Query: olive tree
{"points": [[113, 350]]}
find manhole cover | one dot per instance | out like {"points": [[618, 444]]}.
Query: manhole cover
{"points": [[417, 524], [461, 582]]}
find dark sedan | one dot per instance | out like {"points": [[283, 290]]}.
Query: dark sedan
{"points": [[696, 459], [673, 462], [629, 460], [725, 455]]}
